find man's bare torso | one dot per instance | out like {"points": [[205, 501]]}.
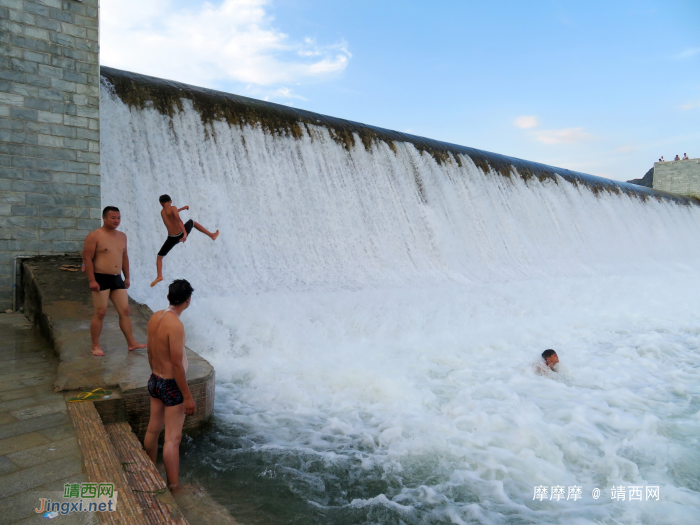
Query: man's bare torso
{"points": [[160, 326], [171, 220], [109, 251]]}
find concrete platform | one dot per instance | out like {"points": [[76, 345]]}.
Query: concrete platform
{"points": [[60, 305]]}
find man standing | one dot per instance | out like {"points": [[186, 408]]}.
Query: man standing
{"points": [[171, 399], [177, 231], [105, 258]]}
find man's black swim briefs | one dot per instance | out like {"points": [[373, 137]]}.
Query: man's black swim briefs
{"points": [[110, 282], [172, 240], [166, 390]]}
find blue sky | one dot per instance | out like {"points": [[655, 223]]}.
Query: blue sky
{"points": [[600, 87]]}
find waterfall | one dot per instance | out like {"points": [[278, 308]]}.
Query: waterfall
{"points": [[375, 303]]}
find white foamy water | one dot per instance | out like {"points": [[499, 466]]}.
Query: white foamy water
{"points": [[390, 339]]}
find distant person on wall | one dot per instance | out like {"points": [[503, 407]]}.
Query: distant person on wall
{"points": [[171, 398], [677, 158], [105, 258], [662, 159], [685, 156], [177, 231]]}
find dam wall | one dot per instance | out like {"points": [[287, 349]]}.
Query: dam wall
{"points": [[168, 98], [305, 200], [49, 130], [681, 177]]}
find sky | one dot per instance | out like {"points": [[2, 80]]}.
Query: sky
{"points": [[601, 87]]}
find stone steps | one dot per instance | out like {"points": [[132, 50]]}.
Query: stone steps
{"points": [[149, 488], [112, 454]]}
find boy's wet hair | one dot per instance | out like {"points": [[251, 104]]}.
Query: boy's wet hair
{"points": [[164, 198], [108, 209], [548, 353], [179, 291]]}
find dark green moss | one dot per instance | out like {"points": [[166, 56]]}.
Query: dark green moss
{"points": [[166, 97]]}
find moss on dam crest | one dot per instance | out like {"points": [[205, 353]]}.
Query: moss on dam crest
{"points": [[165, 96]]}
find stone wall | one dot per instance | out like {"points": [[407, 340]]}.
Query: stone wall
{"points": [[49, 129], [678, 176]]}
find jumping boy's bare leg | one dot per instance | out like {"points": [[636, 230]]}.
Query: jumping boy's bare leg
{"points": [[99, 300], [174, 418], [155, 427], [202, 229], [159, 267], [120, 300]]}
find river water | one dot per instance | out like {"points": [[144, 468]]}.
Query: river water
{"points": [[375, 320]]}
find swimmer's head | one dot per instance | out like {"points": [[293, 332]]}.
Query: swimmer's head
{"points": [[164, 199], [111, 217], [180, 292], [550, 357]]}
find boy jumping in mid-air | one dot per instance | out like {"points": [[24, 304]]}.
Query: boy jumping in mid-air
{"points": [[177, 231]]}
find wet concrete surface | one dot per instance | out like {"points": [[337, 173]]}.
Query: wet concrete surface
{"points": [[38, 449], [60, 304]]}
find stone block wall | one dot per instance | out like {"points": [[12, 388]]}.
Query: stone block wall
{"points": [[49, 129], [678, 176]]}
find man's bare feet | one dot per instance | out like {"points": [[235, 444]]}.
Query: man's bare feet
{"points": [[181, 490], [136, 346], [158, 279], [96, 350], [215, 235]]}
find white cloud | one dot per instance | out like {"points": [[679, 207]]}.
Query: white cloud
{"points": [[562, 136], [687, 107], [283, 92], [525, 122], [208, 44], [688, 53]]}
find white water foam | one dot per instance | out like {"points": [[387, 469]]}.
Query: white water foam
{"points": [[353, 320]]}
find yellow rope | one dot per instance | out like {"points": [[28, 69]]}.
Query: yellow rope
{"points": [[89, 396]]}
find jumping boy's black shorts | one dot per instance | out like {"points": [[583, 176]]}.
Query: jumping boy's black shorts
{"points": [[172, 240], [110, 282]]}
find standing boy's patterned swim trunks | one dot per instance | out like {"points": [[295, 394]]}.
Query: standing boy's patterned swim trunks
{"points": [[166, 390]]}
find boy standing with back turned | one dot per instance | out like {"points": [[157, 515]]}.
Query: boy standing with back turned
{"points": [[170, 394]]}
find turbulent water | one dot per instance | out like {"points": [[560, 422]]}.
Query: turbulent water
{"points": [[374, 319]]}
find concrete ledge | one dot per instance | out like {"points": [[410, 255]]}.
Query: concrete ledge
{"points": [[59, 303]]}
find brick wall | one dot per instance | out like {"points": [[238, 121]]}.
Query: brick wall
{"points": [[49, 129], [680, 176]]}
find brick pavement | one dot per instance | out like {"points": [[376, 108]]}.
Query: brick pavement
{"points": [[38, 448]]}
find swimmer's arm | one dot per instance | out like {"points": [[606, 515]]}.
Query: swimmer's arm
{"points": [[183, 208], [89, 248], [177, 351]]}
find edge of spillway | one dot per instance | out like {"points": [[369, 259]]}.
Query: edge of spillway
{"points": [[166, 96]]}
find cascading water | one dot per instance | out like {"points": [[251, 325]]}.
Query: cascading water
{"points": [[374, 314]]}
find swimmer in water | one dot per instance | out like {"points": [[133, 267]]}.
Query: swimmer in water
{"points": [[550, 359], [177, 231]]}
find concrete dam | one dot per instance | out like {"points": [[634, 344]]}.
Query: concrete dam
{"points": [[376, 303]]}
